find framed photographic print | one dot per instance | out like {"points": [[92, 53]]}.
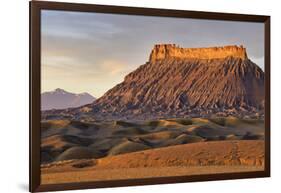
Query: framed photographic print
{"points": [[123, 96]]}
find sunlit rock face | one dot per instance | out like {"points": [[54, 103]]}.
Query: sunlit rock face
{"points": [[165, 51]]}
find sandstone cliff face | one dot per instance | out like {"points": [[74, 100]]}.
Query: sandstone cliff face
{"points": [[182, 82], [166, 51]]}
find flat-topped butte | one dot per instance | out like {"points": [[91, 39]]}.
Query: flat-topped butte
{"points": [[164, 51]]}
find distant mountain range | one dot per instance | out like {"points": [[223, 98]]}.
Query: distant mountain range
{"points": [[61, 99]]}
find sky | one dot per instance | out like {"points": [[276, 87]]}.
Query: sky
{"points": [[92, 52]]}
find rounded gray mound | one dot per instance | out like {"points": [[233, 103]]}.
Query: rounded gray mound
{"points": [[75, 153], [127, 147]]}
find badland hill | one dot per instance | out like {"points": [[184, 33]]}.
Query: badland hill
{"points": [[183, 82]]}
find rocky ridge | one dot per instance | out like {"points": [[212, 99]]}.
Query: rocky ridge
{"points": [[165, 51]]}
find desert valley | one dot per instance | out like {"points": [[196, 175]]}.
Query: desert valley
{"points": [[186, 111]]}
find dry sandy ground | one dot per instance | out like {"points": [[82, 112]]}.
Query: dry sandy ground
{"points": [[187, 159], [137, 173]]}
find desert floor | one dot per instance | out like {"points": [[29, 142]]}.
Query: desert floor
{"points": [[178, 160]]}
